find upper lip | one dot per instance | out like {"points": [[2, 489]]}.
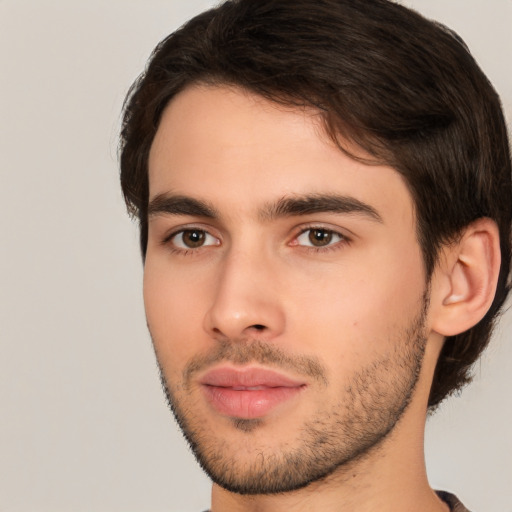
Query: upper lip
{"points": [[243, 378]]}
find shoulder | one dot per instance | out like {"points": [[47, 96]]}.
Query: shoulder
{"points": [[452, 501]]}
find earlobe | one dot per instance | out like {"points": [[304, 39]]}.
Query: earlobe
{"points": [[467, 279]]}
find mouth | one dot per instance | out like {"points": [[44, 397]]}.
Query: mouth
{"points": [[248, 393]]}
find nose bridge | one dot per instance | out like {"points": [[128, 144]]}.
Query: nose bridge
{"points": [[246, 299]]}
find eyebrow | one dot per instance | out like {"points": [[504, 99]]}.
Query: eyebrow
{"points": [[180, 205], [285, 207], [319, 203]]}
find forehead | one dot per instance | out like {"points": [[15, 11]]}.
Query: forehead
{"points": [[227, 146]]}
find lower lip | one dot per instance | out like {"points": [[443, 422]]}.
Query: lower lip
{"points": [[248, 404]]}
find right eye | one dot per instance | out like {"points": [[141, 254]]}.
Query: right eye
{"points": [[193, 239]]}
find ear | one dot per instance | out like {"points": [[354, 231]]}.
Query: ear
{"points": [[465, 279]]}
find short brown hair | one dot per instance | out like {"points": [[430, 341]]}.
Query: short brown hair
{"points": [[403, 88]]}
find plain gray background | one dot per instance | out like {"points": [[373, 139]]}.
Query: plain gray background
{"points": [[84, 425]]}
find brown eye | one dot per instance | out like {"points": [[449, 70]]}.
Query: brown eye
{"points": [[320, 237], [193, 239]]}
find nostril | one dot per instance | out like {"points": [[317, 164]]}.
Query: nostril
{"points": [[258, 327]]}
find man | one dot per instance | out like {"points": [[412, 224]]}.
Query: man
{"points": [[323, 189]]}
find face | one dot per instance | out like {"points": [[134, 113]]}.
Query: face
{"points": [[284, 291]]}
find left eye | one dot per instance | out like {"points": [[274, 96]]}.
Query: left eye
{"points": [[318, 237], [193, 239]]}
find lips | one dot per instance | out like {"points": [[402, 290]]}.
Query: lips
{"points": [[248, 393]]}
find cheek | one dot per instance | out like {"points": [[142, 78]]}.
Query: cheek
{"points": [[173, 312], [358, 310]]}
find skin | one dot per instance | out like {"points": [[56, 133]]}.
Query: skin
{"points": [[354, 306]]}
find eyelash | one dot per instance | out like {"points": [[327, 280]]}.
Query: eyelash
{"points": [[167, 241], [343, 240]]}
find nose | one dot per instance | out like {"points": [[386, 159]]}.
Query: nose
{"points": [[246, 301]]}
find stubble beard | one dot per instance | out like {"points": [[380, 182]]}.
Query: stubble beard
{"points": [[374, 400]]}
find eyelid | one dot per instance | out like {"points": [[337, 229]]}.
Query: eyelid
{"points": [[343, 232], [208, 238], [170, 234], [344, 239], [337, 237], [345, 236]]}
